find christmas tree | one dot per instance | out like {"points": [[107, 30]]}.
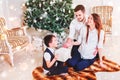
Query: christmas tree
{"points": [[52, 15]]}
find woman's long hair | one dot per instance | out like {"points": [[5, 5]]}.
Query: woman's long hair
{"points": [[98, 25]]}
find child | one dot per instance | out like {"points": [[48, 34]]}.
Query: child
{"points": [[50, 64]]}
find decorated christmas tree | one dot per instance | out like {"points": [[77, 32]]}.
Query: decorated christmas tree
{"points": [[52, 15]]}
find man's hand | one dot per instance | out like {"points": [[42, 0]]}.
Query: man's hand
{"points": [[68, 43]]}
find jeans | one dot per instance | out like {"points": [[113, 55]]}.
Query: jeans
{"points": [[60, 68], [78, 63]]}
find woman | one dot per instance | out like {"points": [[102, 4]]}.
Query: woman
{"points": [[90, 39]]}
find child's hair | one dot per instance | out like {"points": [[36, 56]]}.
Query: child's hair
{"points": [[79, 7], [48, 39]]}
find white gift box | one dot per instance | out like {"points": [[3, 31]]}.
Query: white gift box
{"points": [[63, 53]]}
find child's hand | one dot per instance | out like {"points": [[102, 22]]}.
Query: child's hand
{"points": [[56, 56]]}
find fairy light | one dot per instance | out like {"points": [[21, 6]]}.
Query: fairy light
{"points": [[5, 27], [2, 58], [18, 47], [32, 61], [12, 18], [3, 36]]}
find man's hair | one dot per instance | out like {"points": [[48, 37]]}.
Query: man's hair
{"points": [[79, 7], [48, 39]]}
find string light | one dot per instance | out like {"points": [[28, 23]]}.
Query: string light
{"points": [[18, 47], [2, 58], [32, 61], [12, 18]]}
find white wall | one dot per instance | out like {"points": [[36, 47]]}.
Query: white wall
{"points": [[116, 11], [1, 12], [12, 11]]}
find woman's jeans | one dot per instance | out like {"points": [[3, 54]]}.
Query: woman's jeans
{"points": [[78, 63]]}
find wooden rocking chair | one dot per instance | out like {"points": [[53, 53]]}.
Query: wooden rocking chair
{"points": [[12, 40]]}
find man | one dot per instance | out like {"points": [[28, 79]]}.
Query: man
{"points": [[75, 26]]}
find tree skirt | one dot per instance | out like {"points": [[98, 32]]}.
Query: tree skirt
{"points": [[86, 74]]}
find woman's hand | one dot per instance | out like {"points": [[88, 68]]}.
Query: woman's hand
{"points": [[102, 65], [95, 52]]}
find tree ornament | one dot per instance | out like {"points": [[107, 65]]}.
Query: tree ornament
{"points": [[40, 5], [57, 19]]}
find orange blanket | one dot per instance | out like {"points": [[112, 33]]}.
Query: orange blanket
{"points": [[86, 74]]}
